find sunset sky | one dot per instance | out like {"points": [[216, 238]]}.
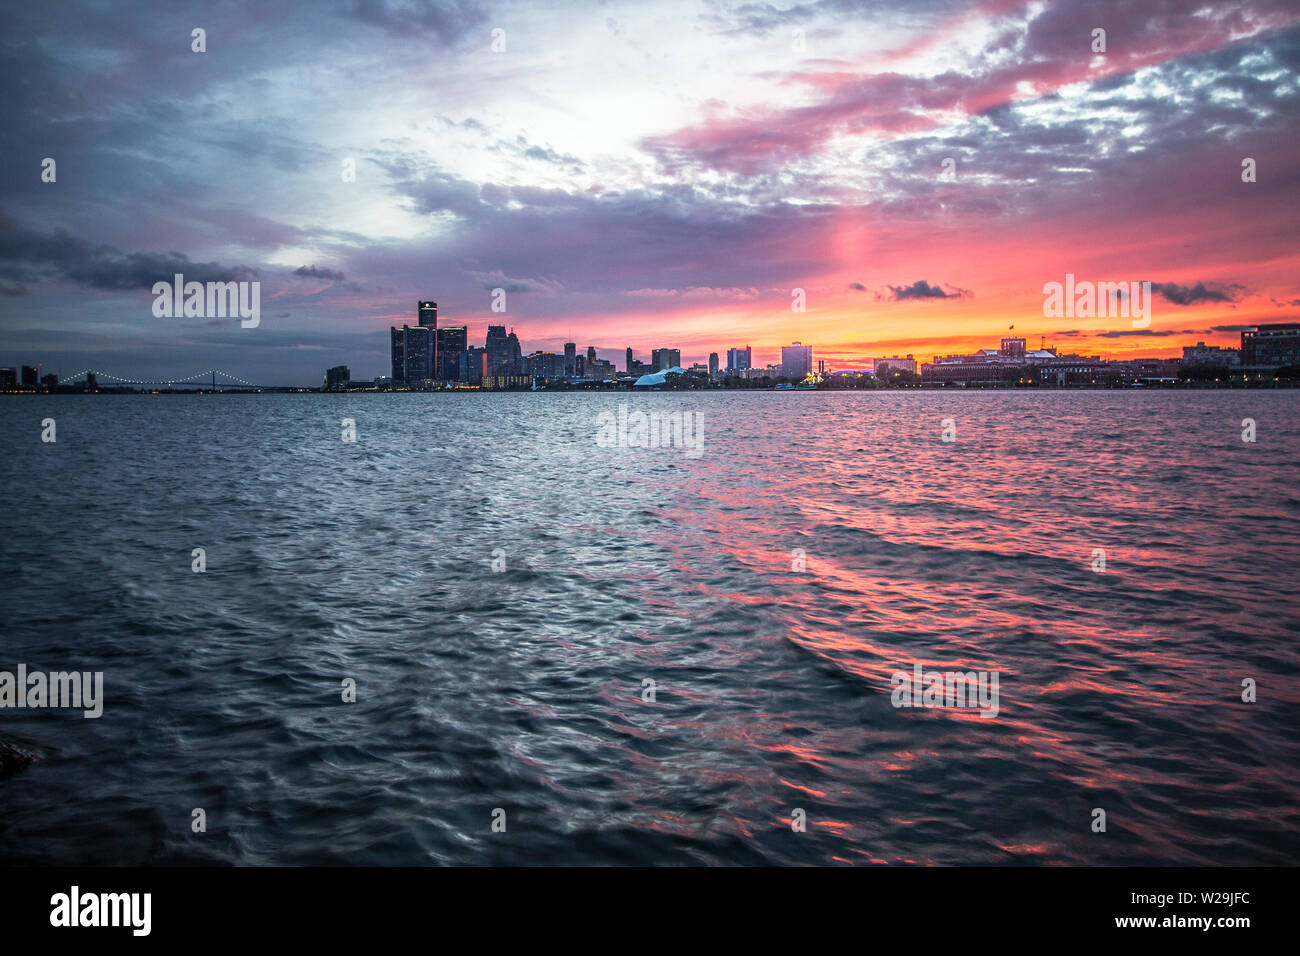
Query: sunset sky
{"points": [[645, 174]]}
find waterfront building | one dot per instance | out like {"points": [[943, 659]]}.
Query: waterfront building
{"points": [[398, 349], [337, 378], [418, 346], [451, 342], [1274, 344], [898, 363], [1202, 354], [472, 365], [796, 361]]}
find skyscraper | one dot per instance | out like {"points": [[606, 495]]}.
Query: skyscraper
{"points": [[497, 350], [514, 355], [738, 360], [796, 360], [713, 365], [451, 342], [570, 358], [471, 365], [665, 358], [427, 318], [419, 345], [628, 367], [398, 344], [591, 355]]}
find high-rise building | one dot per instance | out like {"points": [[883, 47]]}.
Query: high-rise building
{"points": [[451, 342], [398, 344], [514, 354], [570, 359], [796, 360], [30, 377], [419, 345], [497, 351], [665, 358], [8, 378], [472, 365], [427, 318], [591, 355], [50, 382], [713, 365], [739, 361], [628, 366]]}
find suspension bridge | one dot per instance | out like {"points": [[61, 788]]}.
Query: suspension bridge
{"points": [[208, 376]]}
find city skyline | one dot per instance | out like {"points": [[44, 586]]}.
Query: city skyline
{"points": [[911, 176]]}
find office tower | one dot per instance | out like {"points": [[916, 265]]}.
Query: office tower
{"points": [[591, 355], [796, 360], [30, 377], [739, 361], [398, 343], [514, 355], [665, 358], [570, 359], [497, 351], [8, 378], [713, 365], [580, 368], [471, 365], [451, 342], [419, 346], [427, 318]]}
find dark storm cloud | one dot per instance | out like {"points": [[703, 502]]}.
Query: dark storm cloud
{"points": [[32, 256], [1199, 293], [920, 289]]}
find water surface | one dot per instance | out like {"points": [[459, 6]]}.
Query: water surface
{"points": [[522, 689]]}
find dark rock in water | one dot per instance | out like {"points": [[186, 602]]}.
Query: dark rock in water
{"points": [[13, 758]]}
